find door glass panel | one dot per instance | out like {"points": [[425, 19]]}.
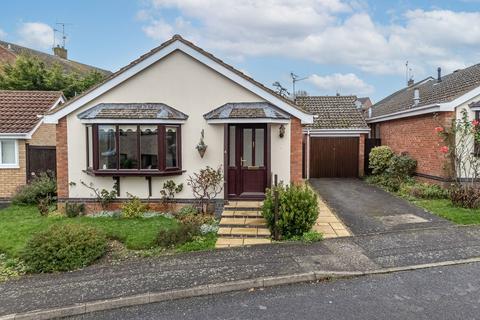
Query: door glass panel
{"points": [[231, 146], [128, 147], [247, 147], [149, 147], [259, 147], [107, 149], [171, 145]]}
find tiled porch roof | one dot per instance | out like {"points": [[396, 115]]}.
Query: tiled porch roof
{"points": [[156, 111], [246, 110]]}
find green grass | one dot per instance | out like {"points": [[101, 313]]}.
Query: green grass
{"points": [[202, 243], [445, 209], [18, 223]]}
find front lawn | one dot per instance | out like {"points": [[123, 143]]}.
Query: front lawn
{"points": [[18, 223], [445, 209]]}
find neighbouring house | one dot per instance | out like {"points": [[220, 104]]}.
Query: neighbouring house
{"points": [[334, 143], [27, 145], [142, 125], [364, 103], [10, 51], [406, 120]]}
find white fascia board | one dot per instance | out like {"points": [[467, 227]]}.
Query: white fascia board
{"points": [[354, 132], [439, 107], [254, 120], [450, 106], [131, 121], [407, 113], [178, 45], [14, 136]]}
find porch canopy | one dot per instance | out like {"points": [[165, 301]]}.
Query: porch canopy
{"points": [[247, 112]]}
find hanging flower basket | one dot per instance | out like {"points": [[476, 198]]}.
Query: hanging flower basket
{"points": [[201, 146]]}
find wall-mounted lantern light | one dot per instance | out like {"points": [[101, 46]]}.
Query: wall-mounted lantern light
{"points": [[281, 131]]}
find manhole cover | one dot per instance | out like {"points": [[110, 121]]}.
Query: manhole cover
{"points": [[401, 219]]}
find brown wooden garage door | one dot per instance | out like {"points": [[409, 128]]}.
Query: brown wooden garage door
{"points": [[333, 157]]}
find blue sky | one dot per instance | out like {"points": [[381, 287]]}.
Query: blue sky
{"points": [[351, 47]]}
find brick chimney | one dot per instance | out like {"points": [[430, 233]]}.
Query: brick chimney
{"points": [[60, 52]]}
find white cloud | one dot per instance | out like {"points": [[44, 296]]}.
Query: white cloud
{"points": [[344, 84], [3, 34], [324, 31], [36, 35]]}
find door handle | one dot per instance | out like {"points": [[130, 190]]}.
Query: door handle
{"points": [[242, 161]]}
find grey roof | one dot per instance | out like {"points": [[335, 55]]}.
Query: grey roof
{"points": [[156, 111], [333, 112], [48, 59], [431, 91], [246, 110]]}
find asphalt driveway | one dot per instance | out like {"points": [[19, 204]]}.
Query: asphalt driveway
{"points": [[367, 209]]}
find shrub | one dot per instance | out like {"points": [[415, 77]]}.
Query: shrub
{"points": [[298, 210], [379, 159], [73, 209], [170, 189], [190, 215], [44, 204], [465, 196], [133, 208], [387, 182], [187, 210], [423, 191], [63, 248], [40, 187], [309, 237], [401, 166], [184, 233], [104, 196]]}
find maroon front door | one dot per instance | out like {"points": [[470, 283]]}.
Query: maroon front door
{"points": [[247, 160]]}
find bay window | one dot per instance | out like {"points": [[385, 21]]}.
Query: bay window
{"points": [[8, 154], [131, 149]]}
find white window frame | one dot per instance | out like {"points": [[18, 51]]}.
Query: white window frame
{"points": [[9, 165]]}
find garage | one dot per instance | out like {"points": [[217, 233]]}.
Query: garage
{"points": [[334, 157], [334, 144]]}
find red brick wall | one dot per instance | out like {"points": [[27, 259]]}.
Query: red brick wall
{"points": [[62, 159], [417, 137], [296, 150], [361, 155]]}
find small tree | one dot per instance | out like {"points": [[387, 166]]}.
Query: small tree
{"points": [[206, 185]]}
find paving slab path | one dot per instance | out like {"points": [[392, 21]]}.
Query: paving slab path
{"points": [[365, 209], [161, 274]]}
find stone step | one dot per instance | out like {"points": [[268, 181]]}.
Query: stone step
{"points": [[226, 242], [243, 232], [241, 213], [243, 221]]}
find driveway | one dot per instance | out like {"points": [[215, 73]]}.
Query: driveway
{"points": [[368, 209]]}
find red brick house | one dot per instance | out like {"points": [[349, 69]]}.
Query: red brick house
{"points": [[27, 145], [406, 120]]}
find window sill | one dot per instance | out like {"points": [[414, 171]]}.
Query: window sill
{"points": [[9, 166], [132, 173]]}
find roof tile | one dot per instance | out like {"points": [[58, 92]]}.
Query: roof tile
{"points": [[20, 110]]}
